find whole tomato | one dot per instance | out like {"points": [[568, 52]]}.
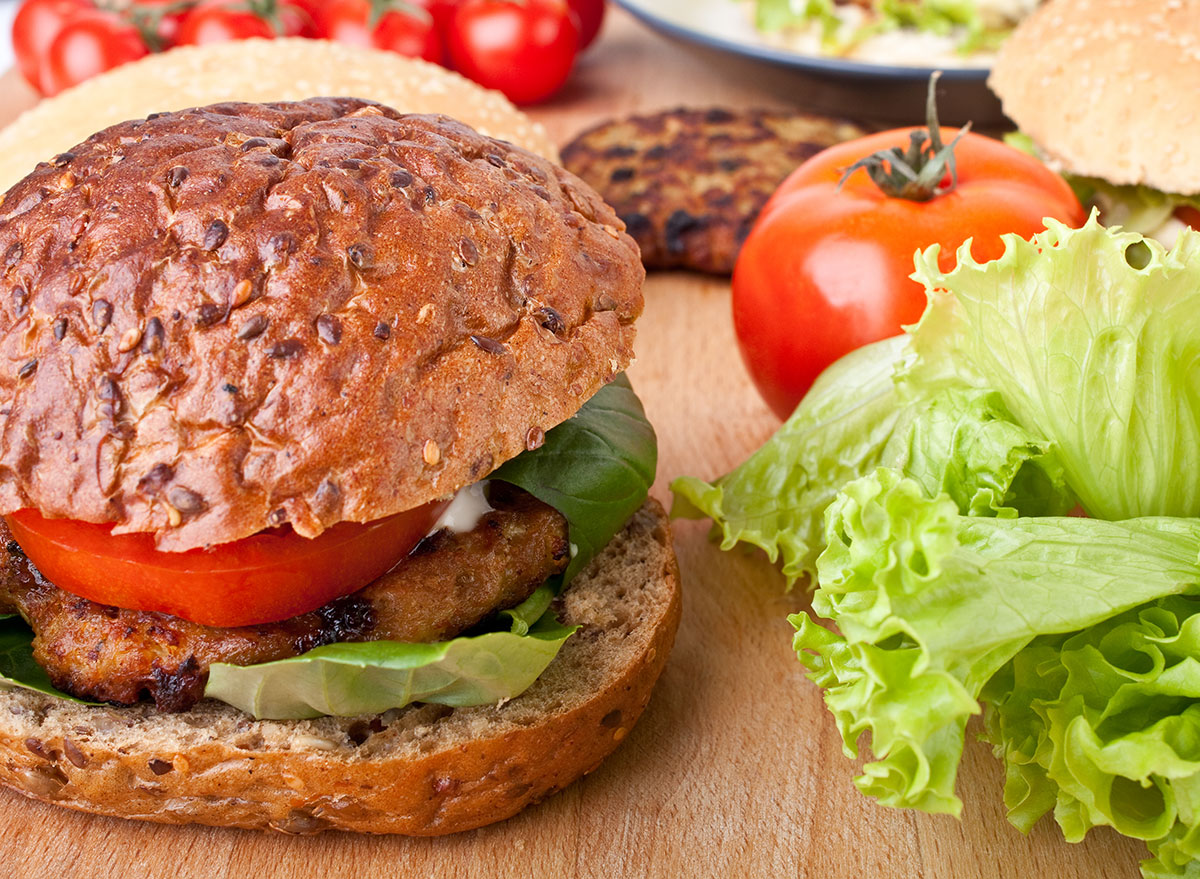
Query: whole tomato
{"points": [[524, 48], [91, 42], [35, 26], [398, 27], [591, 15], [218, 21], [826, 267], [159, 20]]}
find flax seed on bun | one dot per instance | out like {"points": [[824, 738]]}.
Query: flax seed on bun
{"points": [[239, 316], [1107, 89]]}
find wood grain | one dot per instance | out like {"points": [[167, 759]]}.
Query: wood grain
{"points": [[735, 769]]}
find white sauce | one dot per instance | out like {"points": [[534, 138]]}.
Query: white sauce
{"points": [[465, 511]]}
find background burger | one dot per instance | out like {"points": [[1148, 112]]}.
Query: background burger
{"points": [[318, 462], [1105, 92]]}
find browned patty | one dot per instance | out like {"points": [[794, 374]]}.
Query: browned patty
{"points": [[689, 183], [448, 584]]}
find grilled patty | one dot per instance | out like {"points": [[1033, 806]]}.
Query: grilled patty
{"points": [[449, 583]]}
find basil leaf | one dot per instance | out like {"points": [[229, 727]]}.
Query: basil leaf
{"points": [[595, 468]]}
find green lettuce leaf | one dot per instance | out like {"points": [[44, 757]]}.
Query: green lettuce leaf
{"points": [[17, 666], [931, 604], [373, 676], [775, 500], [1098, 356], [961, 441], [595, 468], [1103, 727]]}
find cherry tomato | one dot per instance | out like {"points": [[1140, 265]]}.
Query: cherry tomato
{"points": [[162, 18], [34, 28], [402, 28], [91, 42], [273, 575], [826, 267], [591, 15], [218, 21], [524, 48], [443, 14]]}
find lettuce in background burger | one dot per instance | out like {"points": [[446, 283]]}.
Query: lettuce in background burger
{"points": [[1105, 91], [320, 470]]}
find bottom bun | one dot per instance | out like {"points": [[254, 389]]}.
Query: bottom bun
{"points": [[421, 770]]}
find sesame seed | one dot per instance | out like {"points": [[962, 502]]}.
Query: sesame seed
{"points": [[27, 369], [101, 314], [152, 339], [431, 453], [382, 331], [329, 329], [59, 328], [241, 293], [129, 340], [535, 437], [491, 346]]}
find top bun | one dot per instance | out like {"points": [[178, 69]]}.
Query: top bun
{"points": [[256, 70], [1108, 88], [226, 319]]}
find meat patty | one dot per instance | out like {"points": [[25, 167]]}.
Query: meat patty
{"points": [[449, 583]]}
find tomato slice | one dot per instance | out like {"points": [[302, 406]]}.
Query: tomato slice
{"points": [[269, 576], [1189, 215]]}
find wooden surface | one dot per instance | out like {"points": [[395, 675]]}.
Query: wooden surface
{"points": [[735, 769]]}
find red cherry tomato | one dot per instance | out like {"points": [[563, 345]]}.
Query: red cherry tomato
{"points": [[162, 18], [443, 14], [826, 268], [405, 29], [524, 48], [218, 21], [591, 15], [35, 26], [273, 575], [89, 43]]}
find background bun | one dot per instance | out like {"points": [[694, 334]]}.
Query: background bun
{"points": [[420, 770], [1108, 88], [256, 70], [221, 320]]}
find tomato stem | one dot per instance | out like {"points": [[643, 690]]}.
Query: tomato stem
{"points": [[918, 173]]}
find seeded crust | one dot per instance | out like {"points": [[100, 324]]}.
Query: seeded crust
{"points": [[257, 70], [689, 183], [226, 319], [421, 771], [1107, 88]]}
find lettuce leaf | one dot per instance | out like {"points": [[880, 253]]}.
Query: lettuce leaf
{"points": [[1099, 357], [775, 500], [17, 665], [931, 604], [373, 676], [1103, 727], [961, 441]]}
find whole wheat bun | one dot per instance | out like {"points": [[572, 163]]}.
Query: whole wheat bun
{"points": [[241, 316], [256, 70], [1108, 89], [421, 770]]}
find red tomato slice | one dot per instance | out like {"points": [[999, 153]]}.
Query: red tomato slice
{"points": [[272, 575], [1189, 215]]}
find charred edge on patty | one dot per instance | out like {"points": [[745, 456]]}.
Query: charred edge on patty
{"points": [[449, 583]]}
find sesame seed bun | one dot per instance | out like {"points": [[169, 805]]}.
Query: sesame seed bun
{"points": [[241, 316], [256, 70], [1108, 89]]}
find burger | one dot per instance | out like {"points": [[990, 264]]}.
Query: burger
{"points": [[324, 493], [1105, 92]]}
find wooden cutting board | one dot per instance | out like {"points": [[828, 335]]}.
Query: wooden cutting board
{"points": [[735, 769]]}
